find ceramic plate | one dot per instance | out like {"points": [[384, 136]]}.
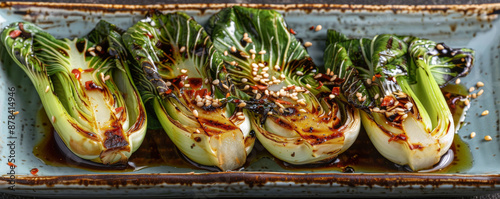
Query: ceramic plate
{"points": [[157, 169]]}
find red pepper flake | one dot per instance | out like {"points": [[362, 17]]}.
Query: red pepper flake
{"points": [[14, 34], [336, 90], [77, 73], [209, 93], [149, 35], [119, 109], [398, 137], [283, 102], [320, 85], [259, 87], [227, 95], [34, 171], [378, 75], [90, 85], [89, 70], [311, 28], [11, 164], [292, 31], [289, 88], [387, 101], [168, 91]]}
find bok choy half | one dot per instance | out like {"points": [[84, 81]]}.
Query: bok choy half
{"points": [[177, 70], [295, 117], [84, 87], [396, 81]]}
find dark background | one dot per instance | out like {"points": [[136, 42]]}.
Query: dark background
{"points": [[375, 2]]}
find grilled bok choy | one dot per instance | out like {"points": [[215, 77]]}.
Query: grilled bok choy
{"points": [[292, 114], [84, 87], [177, 71], [396, 81]]}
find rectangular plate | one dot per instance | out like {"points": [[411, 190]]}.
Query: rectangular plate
{"points": [[477, 170]]}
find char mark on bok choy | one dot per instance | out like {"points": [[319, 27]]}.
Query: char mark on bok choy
{"points": [[178, 71], [396, 81], [84, 87], [295, 117]]}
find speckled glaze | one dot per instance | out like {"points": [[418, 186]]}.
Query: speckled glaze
{"points": [[473, 26]]}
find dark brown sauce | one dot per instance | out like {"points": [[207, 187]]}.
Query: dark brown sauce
{"points": [[157, 150]]}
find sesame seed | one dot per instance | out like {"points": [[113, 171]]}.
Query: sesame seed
{"points": [[168, 83], [254, 73], [479, 84], [184, 71], [241, 117], [263, 81], [473, 134], [91, 49], [302, 110], [474, 95], [301, 102], [98, 48], [363, 98], [480, 92], [47, 89], [262, 65], [265, 75], [282, 76], [308, 86], [216, 81], [277, 67], [318, 28], [53, 119], [269, 113], [299, 73], [252, 51], [276, 81], [484, 113], [254, 65], [195, 113], [92, 53], [248, 40], [102, 76], [233, 49], [233, 63], [471, 89], [258, 96], [331, 96], [265, 69], [187, 85], [244, 80], [280, 105], [15, 113], [318, 76], [199, 104], [266, 92], [262, 52], [333, 78], [328, 71], [439, 47], [308, 44], [408, 105], [376, 109], [376, 96], [107, 78], [225, 53], [404, 116], [239, 113], [255, 90], [183, 48], [225, 86], [488, 138], [368, 81], [457, 81], [282, 110], [242, 104], [245, 35], [198, 131], [358, 94], [466, 102], [246, 87], [256, 78], [244, 54]]}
